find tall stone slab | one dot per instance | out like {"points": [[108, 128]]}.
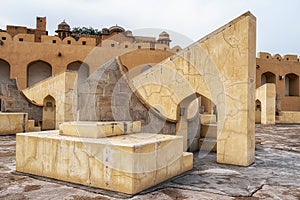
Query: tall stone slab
{"points": [[221, 67], [266, 94]]}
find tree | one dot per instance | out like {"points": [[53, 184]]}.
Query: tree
{"points": [[85, 30]]}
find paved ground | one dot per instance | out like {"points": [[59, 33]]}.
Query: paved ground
{"points": [[275, 175]]}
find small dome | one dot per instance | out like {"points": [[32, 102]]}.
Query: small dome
{"points": [[164, 36], [116, 28], [63, 26], [128, 33], [104, 31]]}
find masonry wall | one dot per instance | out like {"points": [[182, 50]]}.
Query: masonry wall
{"points": [[22, 50], [106, 96], [280, 66], [12, 100]]}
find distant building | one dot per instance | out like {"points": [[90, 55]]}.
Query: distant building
{"points": [[31, 55]]}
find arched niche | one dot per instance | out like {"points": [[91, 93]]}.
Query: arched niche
{"points": [[4, 70], [38, 71]]}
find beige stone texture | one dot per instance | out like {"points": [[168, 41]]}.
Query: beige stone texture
{"points": [[30, 126], [280, 66], [288, 117], [221, 67], [266, 94], [207, 119], [60, 54], [125, 163], [209, 130], [60, 88], [12, 123], [98, 129]]}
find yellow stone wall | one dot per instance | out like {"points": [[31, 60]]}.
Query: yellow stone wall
{"points": [[288, 117], [266, 94], [60, 87], [19, 54], [128, 163], [280, 66], [221, 67], [12, 123]]}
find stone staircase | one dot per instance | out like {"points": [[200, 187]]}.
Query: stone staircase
{"points": [[12, 100], [208, 136]]}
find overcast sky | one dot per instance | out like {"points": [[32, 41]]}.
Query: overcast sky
{"points": [[278, 27]]}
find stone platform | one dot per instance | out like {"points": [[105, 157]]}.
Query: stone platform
{"points": [[125, 163], [98, 129], [12, 123]]}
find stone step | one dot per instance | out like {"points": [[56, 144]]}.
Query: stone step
{"points": [[36, 129], [208, 119], [208, 144], [209, 130], [98, 129]]}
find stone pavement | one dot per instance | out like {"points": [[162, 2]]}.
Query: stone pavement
{"points": [[274, 175]]}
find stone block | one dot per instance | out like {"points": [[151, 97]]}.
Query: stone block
{"points": [[207, 119], [30, 126], [12, 123], [125, 163], [209, 130], [98, 129]]}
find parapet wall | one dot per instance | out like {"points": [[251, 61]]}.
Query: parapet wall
{"points": [[278, 57], [83, 41]]}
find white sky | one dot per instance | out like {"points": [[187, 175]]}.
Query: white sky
{"points": [[278, 27]]}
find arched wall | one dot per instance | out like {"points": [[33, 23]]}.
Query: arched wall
{"points": [[49, 112], [214, 68], [292, 85], [58, 53], [268, 77], [4, 70], [38, 71], [266, 95], [281, 67]]}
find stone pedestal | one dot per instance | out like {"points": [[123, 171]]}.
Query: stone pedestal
{"points": [[126, 163]]}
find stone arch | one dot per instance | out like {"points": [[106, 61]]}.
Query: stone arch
{"points": [[49, 113], [268, 77], [291, 85], [189, 123], [38, 71], [4, 70], [258, 111], [82, 69]]}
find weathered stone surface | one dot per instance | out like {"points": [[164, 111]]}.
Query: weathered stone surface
{"points": [[221, 67], [288, 117], [120, 104], [125, 163], [61, 90], [12, 123], [266, 94], [98, 129], [12, 100], [208, 119], [275, 172]]}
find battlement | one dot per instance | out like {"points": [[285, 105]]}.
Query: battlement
{"points": [[83, 41], [278, 57]]}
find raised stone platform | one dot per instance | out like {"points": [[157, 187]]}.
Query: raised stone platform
{"points": [[98, 129], [12, 123], [124, 163]]}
